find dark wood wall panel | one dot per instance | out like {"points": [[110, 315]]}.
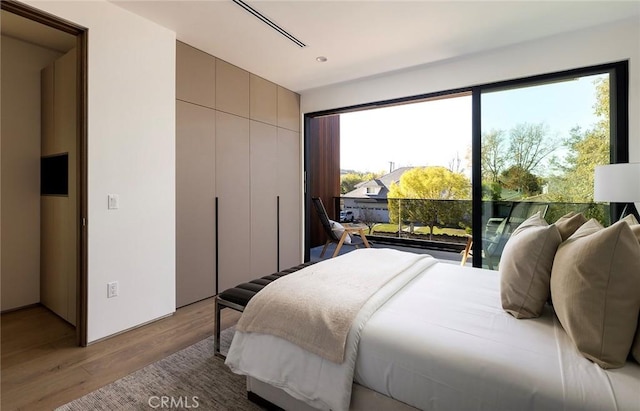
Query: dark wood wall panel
{"points": [[324, 172]]}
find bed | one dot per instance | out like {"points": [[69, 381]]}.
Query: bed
{"points": [[436, 338]]}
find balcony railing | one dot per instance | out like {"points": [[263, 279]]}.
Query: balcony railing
{"points": [[447, 224]]}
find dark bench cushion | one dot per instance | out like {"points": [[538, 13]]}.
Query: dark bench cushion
{"points": [[242, 293]]}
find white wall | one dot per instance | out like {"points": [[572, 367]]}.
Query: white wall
{"points": [[603, 44], [131, 152], [20, 147]]}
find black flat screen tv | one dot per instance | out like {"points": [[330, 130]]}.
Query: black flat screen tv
{"points": [[54, 175]]}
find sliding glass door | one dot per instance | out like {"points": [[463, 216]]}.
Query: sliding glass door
{"points": [[539, 144], [534, 145], [406, 171]]}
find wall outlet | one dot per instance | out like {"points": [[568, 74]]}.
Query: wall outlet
{"points": [[112, 289]]}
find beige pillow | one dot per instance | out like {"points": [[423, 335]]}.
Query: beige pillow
{"points": [[635, 227], [525, 267], [633, 223], [569, 223], [631, 220], [594, 285]]}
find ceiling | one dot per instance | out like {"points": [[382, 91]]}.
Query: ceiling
{"points": [[365, 38], [358, 38]]}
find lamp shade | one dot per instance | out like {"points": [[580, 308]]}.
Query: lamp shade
{"points": [[617, 183]]}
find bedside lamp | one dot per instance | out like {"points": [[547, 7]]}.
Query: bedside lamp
{"points": [[618, 183]]}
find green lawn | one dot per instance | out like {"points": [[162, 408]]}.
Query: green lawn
{"points": [[393, 228]]}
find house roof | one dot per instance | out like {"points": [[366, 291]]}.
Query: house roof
{"points": [[377, 189]]}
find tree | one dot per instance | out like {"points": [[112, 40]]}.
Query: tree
{"points": [[491, 191], [511, 161], [493, 155], [529, 144], [421, 194], [349, 181], [586, 149], [455, 164], [520, 180], [367, 217]]}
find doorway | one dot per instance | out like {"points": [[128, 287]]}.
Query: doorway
{"points": [[39, 38]]}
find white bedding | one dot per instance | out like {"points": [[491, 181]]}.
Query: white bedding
{"points": [[309, 377], [444, 343]]}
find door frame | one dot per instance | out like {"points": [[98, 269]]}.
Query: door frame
{"points": [[81, 34]]}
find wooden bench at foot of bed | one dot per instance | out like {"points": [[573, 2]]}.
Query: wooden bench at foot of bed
{"points": [[238, 297]]}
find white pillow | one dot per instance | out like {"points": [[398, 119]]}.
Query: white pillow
{"points": [[339, 229]]}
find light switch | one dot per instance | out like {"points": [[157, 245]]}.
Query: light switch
{"points": [[114, 201]]}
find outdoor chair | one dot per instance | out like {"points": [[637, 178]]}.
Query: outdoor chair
{"points": [[495, 238], [334, 233]]}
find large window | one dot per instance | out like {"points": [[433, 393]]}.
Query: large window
{"points": [[386, 155], [521, 146], [540, 143]]}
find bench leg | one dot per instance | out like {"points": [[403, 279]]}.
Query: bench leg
{"points": [[216, 341]]}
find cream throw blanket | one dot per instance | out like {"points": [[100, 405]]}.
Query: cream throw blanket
{"points": [[315, 307]]}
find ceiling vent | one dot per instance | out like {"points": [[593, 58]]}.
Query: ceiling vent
{"points": [[269, 23]]}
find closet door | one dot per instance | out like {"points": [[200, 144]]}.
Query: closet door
{"points": [[264, 228], [290, 192], [234, 201], [195, 76], [195, 203], [59, 213], [53, 291]]}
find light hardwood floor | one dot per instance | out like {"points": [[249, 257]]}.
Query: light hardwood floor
{"points": [[42, 368]]}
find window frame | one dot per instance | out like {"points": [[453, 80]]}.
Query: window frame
{"points": [[618, 128], [618, 123]]}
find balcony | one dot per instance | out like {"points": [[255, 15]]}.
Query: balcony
{"points": [[442, 228]]}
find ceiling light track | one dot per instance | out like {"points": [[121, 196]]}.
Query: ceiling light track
{"points": [[269, 23]]}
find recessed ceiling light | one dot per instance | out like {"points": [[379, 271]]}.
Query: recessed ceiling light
{"points": [[321, 59]]}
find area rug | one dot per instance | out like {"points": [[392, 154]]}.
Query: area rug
{"points": [[193, 378]]}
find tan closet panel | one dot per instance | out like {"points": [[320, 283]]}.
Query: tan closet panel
{"points": [[47, 139], [195, 76], [289, 189], [264, 100], [59, 218], [195, 203], [288, 109], [65, 108], [232, 89], [64, 104], [233, 192], [264, 152], [53, 284]]}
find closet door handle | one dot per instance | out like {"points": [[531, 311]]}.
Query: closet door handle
{"points": [[216, 252], [278, 233]]}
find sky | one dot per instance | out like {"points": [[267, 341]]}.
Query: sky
{"points": [[435, 132]]}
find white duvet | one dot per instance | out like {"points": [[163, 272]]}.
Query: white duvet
{"points": [[308, 377], [443, 342]]}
